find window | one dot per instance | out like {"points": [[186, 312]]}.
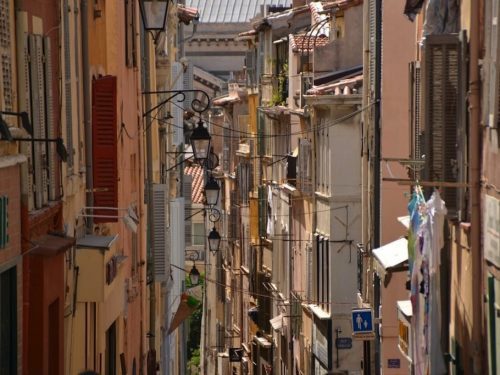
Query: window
{"points": [[444, 81], [322, 263], [199, 234], [4, 221], [104, 142], [134, 251], [304, 168], [111, 350], [8, 322], [130, 34]]}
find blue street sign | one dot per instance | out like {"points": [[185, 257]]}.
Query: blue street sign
{"points": [[343, 343], [362, 321]]}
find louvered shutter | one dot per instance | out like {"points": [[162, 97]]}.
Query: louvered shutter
{"points": [[67, 87], [305, 172], [372, 22], [52, 158], [415, 131], [6, 58], [444, 73], [250, 67], [104, 143], [177, 109], [130, 40], [262, 211], [38, 119], [494, 79], [188, 85], [226, 148], [252, 175], [159, 231], [24, 102], [261, 139], [176, 255], [260, 58], [187, 184]]}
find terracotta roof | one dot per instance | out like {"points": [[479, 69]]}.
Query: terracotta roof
{"points": [[187, 14], [198, 182], [316, 8], [304, 43], [346, 86]]}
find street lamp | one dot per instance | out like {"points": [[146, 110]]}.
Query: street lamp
{"points": [[154, 14], [212, 191], [200, 142], [194, 275], [214, 240]]}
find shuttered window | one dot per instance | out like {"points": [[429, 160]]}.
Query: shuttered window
{"points": [[130, 34], [104, 143], [444, 72], [176, 108], [6, 58], [188, 85], [187, 184], [416, 129], [494, 71], [304, 168], [262, 211], [67, 86], [159, 231], [250, 68], [4, 221]]}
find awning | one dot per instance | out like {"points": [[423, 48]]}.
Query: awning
{"points": [[263, 342], [405, 220], [96, 242], [319, 312], [277, 322], [405, 308], [50, 245], [393, 254]]}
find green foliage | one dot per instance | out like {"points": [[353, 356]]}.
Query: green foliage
{"points": [[280, 92]]}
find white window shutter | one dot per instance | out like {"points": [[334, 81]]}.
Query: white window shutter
{"points": [[160, 241], [188, 85], [177, 243], [177, 108], [52, 157], [187, 185]]}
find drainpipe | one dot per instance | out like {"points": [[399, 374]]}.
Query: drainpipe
{"points": [[475, 192], [89, 182]]}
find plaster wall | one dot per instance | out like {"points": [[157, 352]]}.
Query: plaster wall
{"points": [[344, 52]]}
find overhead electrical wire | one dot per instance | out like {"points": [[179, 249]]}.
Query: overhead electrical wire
{"points": [[261, 295]]}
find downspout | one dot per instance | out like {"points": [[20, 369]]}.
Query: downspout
{"points": [[89, 182], [475, 192]]}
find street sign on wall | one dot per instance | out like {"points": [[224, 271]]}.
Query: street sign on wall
{"points": [[362, 321]]}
